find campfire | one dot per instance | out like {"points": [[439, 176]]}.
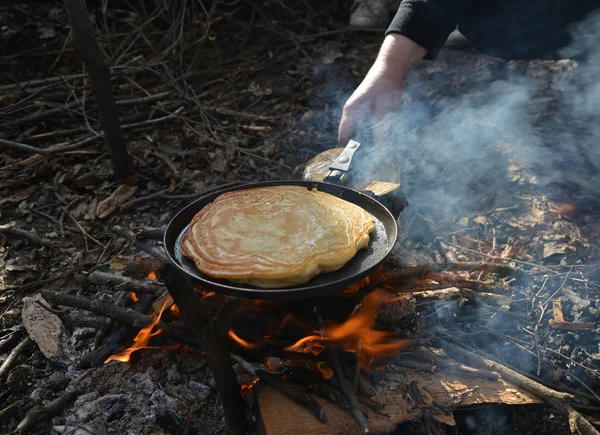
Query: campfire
{"points": [[483, 316]]}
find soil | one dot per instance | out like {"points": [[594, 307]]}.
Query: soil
{"points": [[498, 160]]}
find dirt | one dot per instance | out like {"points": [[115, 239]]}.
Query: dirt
{"points": [[265, 96]]}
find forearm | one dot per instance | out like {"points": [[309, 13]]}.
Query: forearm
{"points": [[400, 54], [428, 22]]}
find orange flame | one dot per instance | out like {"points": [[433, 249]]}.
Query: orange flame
{"points": [[152, 275], [356, 334], [245, 344], [133, 297], [142, 339], [175, 310]]}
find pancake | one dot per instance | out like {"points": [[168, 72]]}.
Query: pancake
{"points": [[274, 237]]}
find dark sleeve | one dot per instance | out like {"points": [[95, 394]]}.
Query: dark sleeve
{"points": [[428, 22]]}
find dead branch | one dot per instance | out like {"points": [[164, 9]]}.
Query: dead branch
{"points": [[454, 293], [38, 413], [420, 271], [348, 391], [14, 355], [11, 341], [149, 233], [289, 391], [129, 235], [14, 409], [84, 142], [557, 399], [23, 234], [126, 283], [124, 315], [571, 326], [164, 195]]}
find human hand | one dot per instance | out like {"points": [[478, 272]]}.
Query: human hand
{"points": [[379, 92]]}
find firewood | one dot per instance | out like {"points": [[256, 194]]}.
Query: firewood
{"points": [[129, 235], [558, 400], [126, 283], [288, 389], [124, 315], [348, 391]]}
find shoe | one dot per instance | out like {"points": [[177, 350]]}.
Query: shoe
{"points": [[370, 14]]}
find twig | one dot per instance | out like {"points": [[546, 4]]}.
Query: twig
{"points": [[286, 388], [14, 355], [346, 388], [22, 234], [14, 409], [33, 417], [164, 195], [149, 233], [82, 143], [11, 341], [120, 314], [126, 283], [129, 235], [556, 399], [453, 292]]}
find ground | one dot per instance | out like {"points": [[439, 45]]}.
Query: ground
{"points": [[498, 159]]}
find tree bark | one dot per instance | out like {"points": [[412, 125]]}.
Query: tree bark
{"points": [[86, 44]]}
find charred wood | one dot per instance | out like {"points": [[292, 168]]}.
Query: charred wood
{"points": [[348, 391], [120, 314], [38, 413], [129, 235], [291, 392], [126, 283]]}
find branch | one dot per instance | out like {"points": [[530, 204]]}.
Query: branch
{"points": [[120, 314], [126, 283]]}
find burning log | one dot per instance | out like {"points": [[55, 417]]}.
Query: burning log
{"points": [[120, 314], [557, 399]]}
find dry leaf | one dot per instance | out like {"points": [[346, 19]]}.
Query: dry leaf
{"points": [[118, 197], [18, 196], [553, 248]]}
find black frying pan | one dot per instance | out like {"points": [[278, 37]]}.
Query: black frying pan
{"points": [[364, 263]]}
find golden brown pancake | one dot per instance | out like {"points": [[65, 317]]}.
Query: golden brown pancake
{"points": [[275, 237]]}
